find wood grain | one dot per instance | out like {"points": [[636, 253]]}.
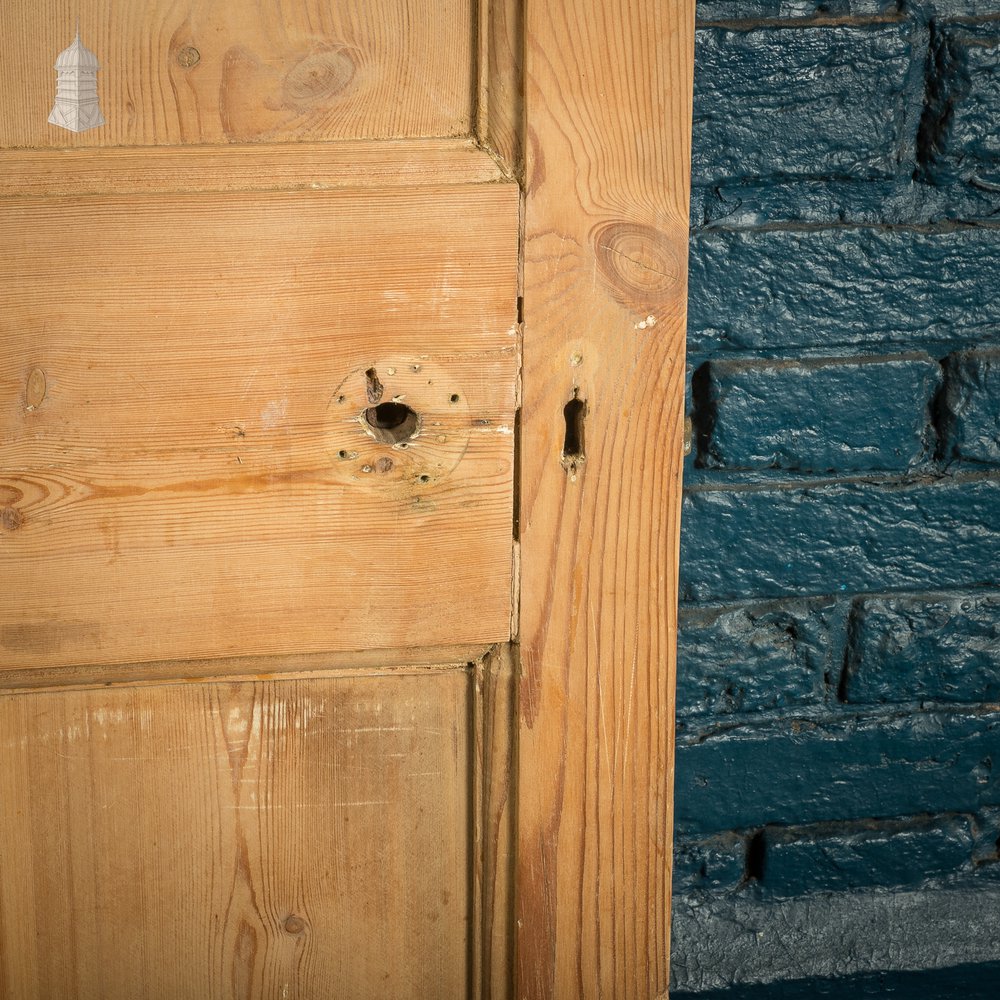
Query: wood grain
{"points": [[608, 104], [200, 479], [208, 71], [298, 666], [288, 840], [260, 167], [494, 793], [503, 130]]}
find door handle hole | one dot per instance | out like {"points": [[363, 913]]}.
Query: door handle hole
{"points": [[392, 422]]}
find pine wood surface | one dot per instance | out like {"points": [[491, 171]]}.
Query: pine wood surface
{"points": [[502, 125], [495, 795], [295, 666], [185, 466], [259, 167], [209, 71], [608, 94], [289, 840]]}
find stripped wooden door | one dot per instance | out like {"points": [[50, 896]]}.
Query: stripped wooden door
{"points": [[337, 551]]}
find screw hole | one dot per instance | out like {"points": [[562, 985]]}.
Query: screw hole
{"points": [[425, 479], [341, 453], [454, 397], [392, 422]]}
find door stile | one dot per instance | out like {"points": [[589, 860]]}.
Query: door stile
{"points": [[607, 144]]}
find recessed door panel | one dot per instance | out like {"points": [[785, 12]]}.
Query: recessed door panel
{"points": [[244, 425], [223, 71], [286, 839]]}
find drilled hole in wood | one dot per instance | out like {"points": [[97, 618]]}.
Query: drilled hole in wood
{"points": [[392, 422], [574, 413], [454, 397]]}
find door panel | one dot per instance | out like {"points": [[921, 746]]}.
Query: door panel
{"points": [[188, 385], [292, 839], [209, 71]]}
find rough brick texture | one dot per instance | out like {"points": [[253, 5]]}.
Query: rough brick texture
{"points": [[971, 406], [959, 134], [738, 10], [802, 770], [787, 861], [825, 415], [785, 646], [823, 288], [944, 648], [826, 100], [838, 698], [763, 541]]}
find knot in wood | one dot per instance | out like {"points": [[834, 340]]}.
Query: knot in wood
{"points": [[188, 56], [637, 262], [11, 519], [317, 79]]}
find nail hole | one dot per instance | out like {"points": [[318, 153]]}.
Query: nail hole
{"points": [[454, 397], [341, 453], [574, 412], [425, 479], [391, 422]]}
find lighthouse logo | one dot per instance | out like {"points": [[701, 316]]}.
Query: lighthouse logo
{"points": [[76, 107]]}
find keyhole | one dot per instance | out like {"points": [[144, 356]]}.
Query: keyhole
{"points": [[574, 412]]}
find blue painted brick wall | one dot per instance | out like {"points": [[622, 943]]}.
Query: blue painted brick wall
{"points": [[839, 651]]}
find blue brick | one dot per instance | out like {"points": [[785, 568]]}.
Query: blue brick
{"points": [[971, 406], [828, 857], [796, 771], [748, 659], [818, 415], [958, 134], [733, 10], [890, 854], [803, 101], [842, 286], [762, 541], [944, 9], [986, 850], [943, 647], [900, 201], [714, 863]]}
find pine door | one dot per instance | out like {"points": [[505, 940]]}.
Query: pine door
{"points": [[341, 418]]}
